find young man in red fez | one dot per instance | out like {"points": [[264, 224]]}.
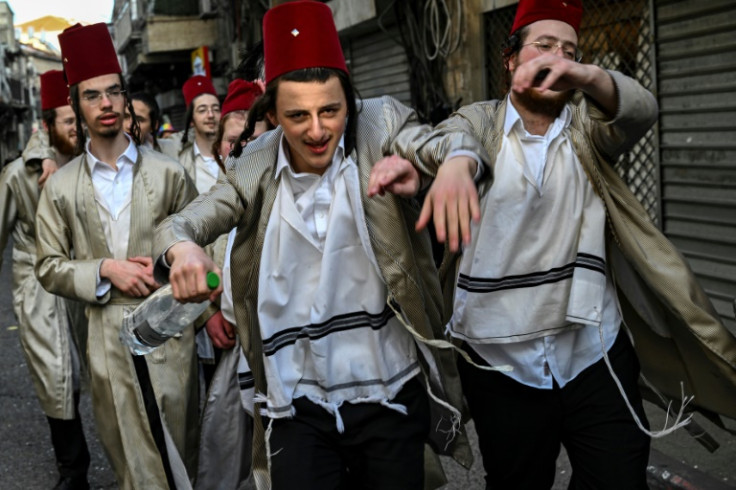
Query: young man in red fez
{"points": [[50, 333], [94, 232], [563, 258], [203, 116], [336, 297], [61, 130]]}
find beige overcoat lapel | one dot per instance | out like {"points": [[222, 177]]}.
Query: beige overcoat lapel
{"points": [[141, 218], [89, 214]]}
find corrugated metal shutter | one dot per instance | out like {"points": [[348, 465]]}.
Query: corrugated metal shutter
{"points": [[378, 65], [697, 92]]}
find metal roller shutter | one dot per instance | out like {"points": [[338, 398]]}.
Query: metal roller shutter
{"points": [[696, 49], [378, 65]]}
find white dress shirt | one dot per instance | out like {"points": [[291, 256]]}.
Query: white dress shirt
{"points": [[540, 362], [207, 170], [113, 189]]}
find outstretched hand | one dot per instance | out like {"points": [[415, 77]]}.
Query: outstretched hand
{"points": [[453, 201], [395, 175], [188, 275]]}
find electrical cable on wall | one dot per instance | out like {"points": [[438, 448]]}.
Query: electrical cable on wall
{"points": [[429, 32]]}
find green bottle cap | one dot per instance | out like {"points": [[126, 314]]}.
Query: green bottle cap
{"points": [[213, 280]]}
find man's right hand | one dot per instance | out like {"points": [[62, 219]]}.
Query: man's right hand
{"points": [[188, 276], [452, 201], [220, 331], [134, 277]]}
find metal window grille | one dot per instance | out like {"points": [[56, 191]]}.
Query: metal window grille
{"points": [[615, 34]]}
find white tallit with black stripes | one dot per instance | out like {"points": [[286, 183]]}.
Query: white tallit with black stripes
{"points": [[328, 333], [536, 266]]}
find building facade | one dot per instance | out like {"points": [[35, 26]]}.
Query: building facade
{"points": [[18, 94]]}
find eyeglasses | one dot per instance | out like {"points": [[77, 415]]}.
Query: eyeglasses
{"points": [[569, 51], [93, 98]]}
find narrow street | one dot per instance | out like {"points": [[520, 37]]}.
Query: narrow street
{"points": [[677, 461], [27, 457]]}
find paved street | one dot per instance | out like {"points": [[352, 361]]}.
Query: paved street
{"points": [[27, 461]]}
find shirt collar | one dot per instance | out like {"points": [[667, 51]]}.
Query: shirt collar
{"points": [[513, 118], [130, 154], [284, 158]]}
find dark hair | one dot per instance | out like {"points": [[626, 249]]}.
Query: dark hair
{"points": [[509, 48], [48, 116], [154, 113], [187, 122], [251, 65], [267, 103], [135, 129]]}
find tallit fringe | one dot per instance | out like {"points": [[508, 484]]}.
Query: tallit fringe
{"points": [[455, 422], [258, 399], [443, 344], [678, 422], [267, 441], [333, 409], [397, 407]]}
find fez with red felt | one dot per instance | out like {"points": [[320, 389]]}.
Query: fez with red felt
{"points": [[87, 52], [54, 92], [240, 96], [300, 34], [529, 11], [196, 86]]}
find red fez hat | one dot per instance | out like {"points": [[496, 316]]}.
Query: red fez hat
{"points": [[528, 11], [196, 86], [300, 34], [240, 96], [54, 92], [87, 52]]}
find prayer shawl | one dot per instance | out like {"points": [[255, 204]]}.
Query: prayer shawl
{"points": [[328, 333], [511, 284]]}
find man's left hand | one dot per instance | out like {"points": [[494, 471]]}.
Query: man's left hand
{"points": [[48, 166]]}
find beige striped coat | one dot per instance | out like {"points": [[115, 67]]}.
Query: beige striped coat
{"points": [[48, 335], [71, 245]]}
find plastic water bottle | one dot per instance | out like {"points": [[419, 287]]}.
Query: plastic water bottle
{"points": [[159, 318]]}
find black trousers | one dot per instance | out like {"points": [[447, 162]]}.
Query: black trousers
{"points": [[70, 446], [380, 448], [520, 428]]}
